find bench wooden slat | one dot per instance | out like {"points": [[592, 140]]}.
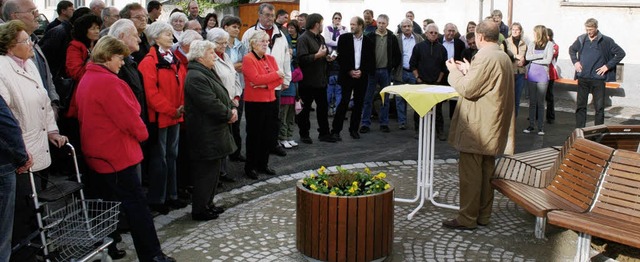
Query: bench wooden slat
{"points": [[612, 228], [612, 85]]}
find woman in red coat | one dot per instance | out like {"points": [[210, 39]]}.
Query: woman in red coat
{"points": [[261, 77], [111, 131], [163, 78], [86, 31]]}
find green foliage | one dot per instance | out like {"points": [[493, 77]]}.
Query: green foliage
{"points": [[346, 182], [208, 4]]}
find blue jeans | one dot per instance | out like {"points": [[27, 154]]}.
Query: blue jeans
{"points": [[519, 86], [162, 165], [381, 77], [334, 93], [401, 104], [537, 91], [7, 205]]}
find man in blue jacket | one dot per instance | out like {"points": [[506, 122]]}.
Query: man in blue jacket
{"points": [[595, 57], [13, 157]]}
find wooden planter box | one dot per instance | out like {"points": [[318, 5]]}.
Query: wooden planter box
{"points": [[339, 228]]}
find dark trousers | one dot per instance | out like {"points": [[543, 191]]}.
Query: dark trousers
{"points": [[359, 87], [597, 88], [205, 175], [126, 186], [309, 94], [24, 216], [551, 111], [276, 131], [262, 119], [235, 130], [440, 118]]}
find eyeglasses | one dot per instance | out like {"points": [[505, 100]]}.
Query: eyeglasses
{"points": [[432, 33], [33, 12], [270, 15], [221, 43], [140, 17], [26, 41], [337, 18]]}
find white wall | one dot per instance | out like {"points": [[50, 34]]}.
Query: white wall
{"points": [[622, 24]]}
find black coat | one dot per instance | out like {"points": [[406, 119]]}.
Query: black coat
{"points": [[54, 47], [314, 70], [208, 110], [346, 58], [130, 74], [458, 47], [394, 57]]}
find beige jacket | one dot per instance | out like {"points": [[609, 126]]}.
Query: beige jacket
{"points": [[29, 102], [227, 73], [517, 52], [484, 120]]}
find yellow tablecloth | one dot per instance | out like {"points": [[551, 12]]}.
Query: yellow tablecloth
{"points": [[421, 97]]}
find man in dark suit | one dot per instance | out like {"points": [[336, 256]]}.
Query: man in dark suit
{"points": [[454, 47], [356, 60]]}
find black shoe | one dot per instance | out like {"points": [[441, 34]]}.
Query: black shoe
{"points": [[306, 140], [204, 216], [267, 171], [442, 137], [336, 136], [116, 253], [160, 208], [354, 134], [216, 210], [550, 121], [238, 158], [385, 129], [251, 173], [226, 178], [278, 151], [529, 129], [327, 138], [403, 127], [364, 129], [453, 224], [163, 258], [176, 204]]}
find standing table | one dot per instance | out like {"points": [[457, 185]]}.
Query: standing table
{"points": [[423, 99]]}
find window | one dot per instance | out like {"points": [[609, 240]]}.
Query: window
{"points": [[602, 3]]}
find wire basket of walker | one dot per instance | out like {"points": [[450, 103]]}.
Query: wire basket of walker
{"points": [[82, 223]]}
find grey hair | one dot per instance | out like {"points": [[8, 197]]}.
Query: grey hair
{"points": [[198, 48], [9, 7], [432, 25], [406, 21], [178, 15], [122, 26], [257, 36], [451, 25], [189, 36], [155, 29], [94, 3], [217, 33], [107, 12], [385, 17], [267, 5]]}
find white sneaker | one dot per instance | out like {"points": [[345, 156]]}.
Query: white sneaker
{"points": [[285, 144], [292, 143]]}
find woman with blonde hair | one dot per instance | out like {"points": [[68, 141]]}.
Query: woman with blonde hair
{"points": [[540, 54], [517, 48]]}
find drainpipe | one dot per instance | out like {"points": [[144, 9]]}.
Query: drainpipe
{"points": [[510, 12], [480, 18]]}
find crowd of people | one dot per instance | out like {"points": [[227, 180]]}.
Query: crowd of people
{"points": [[159, 103]]}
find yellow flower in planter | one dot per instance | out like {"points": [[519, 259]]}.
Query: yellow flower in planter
{"points": [[344, 182]]}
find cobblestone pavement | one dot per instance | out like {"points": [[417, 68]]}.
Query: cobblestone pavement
{"points": [[263, 229], [259, 224]]}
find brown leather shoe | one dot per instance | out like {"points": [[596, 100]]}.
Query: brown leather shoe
{"points": [[453, 224]]}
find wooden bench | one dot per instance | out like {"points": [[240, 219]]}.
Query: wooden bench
{"points": [[577, 172], [615, 215], [567, 81], [625, 137], [533, 168]]}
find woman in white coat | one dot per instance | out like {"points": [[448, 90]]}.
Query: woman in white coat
{"points": [[22, 89]]}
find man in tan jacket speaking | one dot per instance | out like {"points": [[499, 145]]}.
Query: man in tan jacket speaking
{"points": [[483, 124]]}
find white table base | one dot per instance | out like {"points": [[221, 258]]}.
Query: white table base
{"points": [[426, 146]]}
